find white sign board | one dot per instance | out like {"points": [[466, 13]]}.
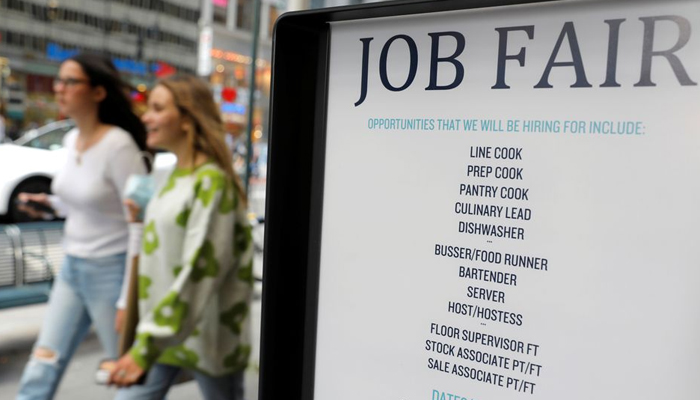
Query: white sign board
{"points": [[510, 205]]}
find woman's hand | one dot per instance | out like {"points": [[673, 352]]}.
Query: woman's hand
{"points": [[133, 210], [41, 198], [126, 372]]}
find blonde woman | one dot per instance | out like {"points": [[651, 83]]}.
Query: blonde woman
{"points": [[195, 272]]}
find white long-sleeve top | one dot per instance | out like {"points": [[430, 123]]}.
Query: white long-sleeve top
{"points": [[90, 189]]}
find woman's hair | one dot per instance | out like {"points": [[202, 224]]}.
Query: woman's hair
{"points": [[195, 101], [115, 108]]}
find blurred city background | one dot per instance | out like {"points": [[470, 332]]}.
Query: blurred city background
{"points": [[226, 42]]}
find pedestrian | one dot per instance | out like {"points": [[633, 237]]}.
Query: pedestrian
{"points": [[195, 268], [102, 151]]}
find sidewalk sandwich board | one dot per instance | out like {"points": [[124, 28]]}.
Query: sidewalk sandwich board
{"points": [[484, 200]]}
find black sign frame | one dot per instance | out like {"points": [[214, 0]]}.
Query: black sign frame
{"points": [[298, 106]]}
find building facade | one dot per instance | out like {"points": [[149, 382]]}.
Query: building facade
{"points": [[144, 38], [231, 24]]}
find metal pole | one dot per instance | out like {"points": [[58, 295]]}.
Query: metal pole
{"points": [[251, 89], [15, 235], [205, 39]]}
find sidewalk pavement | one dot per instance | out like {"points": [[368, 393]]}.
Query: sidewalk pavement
{"points": [[19, 328]]}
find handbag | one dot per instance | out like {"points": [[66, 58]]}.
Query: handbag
{"points": [[139, 188], [131, 318]]}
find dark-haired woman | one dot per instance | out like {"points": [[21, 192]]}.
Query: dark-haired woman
{"points": [[104, 149]]}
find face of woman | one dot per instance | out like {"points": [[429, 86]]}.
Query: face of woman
{"points": [[74, 94], [163, 120]]}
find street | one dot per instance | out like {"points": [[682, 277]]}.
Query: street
{"points": [[19, 327]]}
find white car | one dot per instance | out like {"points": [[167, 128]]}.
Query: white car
{"points": [[29, 164]]}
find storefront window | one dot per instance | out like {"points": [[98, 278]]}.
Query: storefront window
{"points": [[230, 84], [244, 15], [220, 11], [40, 106]]}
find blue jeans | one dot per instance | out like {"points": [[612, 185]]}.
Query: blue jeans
{"points": [[161, 377], [85, 292]]}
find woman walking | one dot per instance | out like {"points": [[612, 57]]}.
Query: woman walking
{"points": [[195, 268], [102, 151]]}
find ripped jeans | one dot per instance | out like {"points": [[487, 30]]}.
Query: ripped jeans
{"points": [[85, 292]]}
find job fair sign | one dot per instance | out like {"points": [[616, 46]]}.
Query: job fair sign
{"points": [[511, 205]]}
